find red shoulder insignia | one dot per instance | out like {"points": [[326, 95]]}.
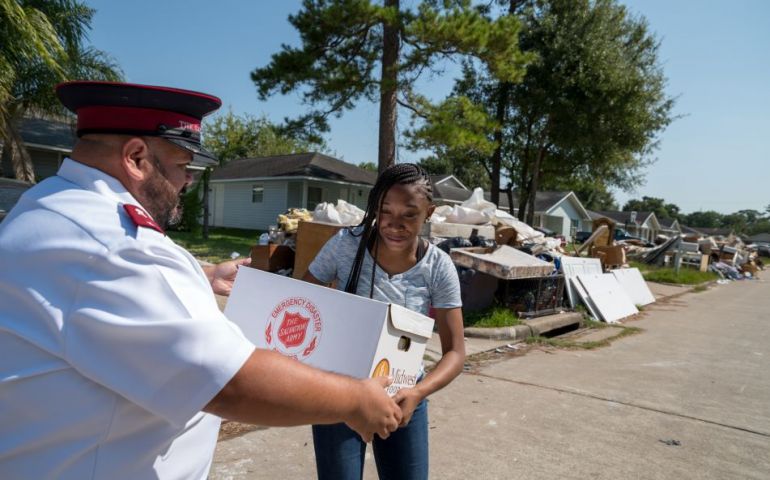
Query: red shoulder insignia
{"points": [[142, 218]]}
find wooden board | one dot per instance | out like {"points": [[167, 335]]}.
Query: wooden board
{"points": [[571, 267], [503, 262], [608, 297], [634, 285], [311, 237], [271, 258]]}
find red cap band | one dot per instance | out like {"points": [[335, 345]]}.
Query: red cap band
{"points": [[106, 118]]}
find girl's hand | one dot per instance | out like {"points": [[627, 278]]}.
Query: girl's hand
{"points": [[407, 399]]}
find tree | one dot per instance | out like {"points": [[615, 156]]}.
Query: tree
{"points": [[470, 173], [590, 107], [34, 75], [653, 204], [706, 219], [229, 136], [370, 166], [346, 43]]}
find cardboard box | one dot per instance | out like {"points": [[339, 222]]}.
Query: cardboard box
{"points": [[311, 237], [271, 258], [330, 329]]}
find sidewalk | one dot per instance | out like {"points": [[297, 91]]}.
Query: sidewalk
{"points": [[288, 452]]}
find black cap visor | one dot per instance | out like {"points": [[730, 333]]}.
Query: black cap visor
{"points": [[201, 156]]}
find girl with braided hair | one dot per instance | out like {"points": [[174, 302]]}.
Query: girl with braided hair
{"points": [[384, 258]]}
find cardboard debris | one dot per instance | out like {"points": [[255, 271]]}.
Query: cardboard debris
{"points": [[311, 237], [502, 262], [330, 329]]}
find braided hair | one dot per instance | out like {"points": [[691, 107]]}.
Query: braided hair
{"points": [[398, 174]]}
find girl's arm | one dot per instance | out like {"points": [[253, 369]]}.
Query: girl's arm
{"points": [[309, 278], [451, 333]]}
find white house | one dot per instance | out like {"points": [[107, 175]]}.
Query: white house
{"points": [[252, 192]]}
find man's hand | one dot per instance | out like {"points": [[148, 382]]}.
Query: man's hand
{"points": [[376, 412], [223, 274], [407, 399]]}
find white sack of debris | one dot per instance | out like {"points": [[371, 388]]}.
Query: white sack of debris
{"points": [[343, 213]]}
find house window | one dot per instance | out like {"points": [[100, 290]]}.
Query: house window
{"points": [[314, 197], [257, 193], [573, 227]]}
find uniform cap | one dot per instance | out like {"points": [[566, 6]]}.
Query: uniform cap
{"points": [[170, 113]]}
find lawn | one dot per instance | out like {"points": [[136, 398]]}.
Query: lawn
{"points": [[222, 242], [686, 276], [492, 317]]}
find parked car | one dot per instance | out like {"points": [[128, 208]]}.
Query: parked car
{"points": [[581, 237], [763, 249], [621, 234]]}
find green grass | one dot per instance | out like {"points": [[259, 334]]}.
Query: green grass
{"points": [[686, 276], [491, 318], [220, 244]]}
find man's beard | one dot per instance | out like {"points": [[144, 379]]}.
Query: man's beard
{"points": [[161, 199]]}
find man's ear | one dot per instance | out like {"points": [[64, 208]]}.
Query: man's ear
{"points": [[136, 159]]}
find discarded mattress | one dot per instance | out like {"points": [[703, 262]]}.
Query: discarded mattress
{"points": [[504, 262]]}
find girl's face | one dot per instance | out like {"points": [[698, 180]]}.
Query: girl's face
{"points": [[403, 212]]}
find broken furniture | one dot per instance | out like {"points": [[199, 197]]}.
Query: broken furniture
{"points": [[525, 283], [503, 262], [611, 256], [271, 257], [311, 237]]}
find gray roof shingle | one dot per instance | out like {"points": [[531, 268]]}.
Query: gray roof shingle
{"points": [[310, 164]]}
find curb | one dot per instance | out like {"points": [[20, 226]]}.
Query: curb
{"points": [[530, 328]]}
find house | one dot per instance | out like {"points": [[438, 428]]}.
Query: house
{"points": [[760, 238], [560, 212], [47, 141], [669, 226], [252, 192], [644, 225], [448, 190]]}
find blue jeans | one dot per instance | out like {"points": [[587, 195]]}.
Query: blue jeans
{"points": [[339, 451]]}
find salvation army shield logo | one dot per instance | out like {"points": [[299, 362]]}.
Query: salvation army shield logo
{"points": [[294, 328]]}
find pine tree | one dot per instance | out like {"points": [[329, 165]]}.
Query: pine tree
{"points": [[347, 43]]}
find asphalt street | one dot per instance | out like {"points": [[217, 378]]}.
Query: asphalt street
{"points": [[688, 398]]}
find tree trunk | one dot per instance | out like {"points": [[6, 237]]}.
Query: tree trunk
{"points": [[205, 180], [497, 156], [502, 103], [388, 92], [509, 193], [524, 189], [534, 184], [20, 158]]}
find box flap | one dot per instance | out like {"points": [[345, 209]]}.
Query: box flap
{"points": [[408, 321]]}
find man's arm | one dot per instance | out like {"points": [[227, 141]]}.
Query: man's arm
{"points": [[271, 389]]}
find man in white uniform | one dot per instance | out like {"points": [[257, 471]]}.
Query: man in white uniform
{"points": [[115, 361]]}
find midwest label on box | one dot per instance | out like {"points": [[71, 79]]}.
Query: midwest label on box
{"points": [[330, 329]]}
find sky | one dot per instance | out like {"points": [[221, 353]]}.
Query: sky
{"points": [[715, 54]]}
